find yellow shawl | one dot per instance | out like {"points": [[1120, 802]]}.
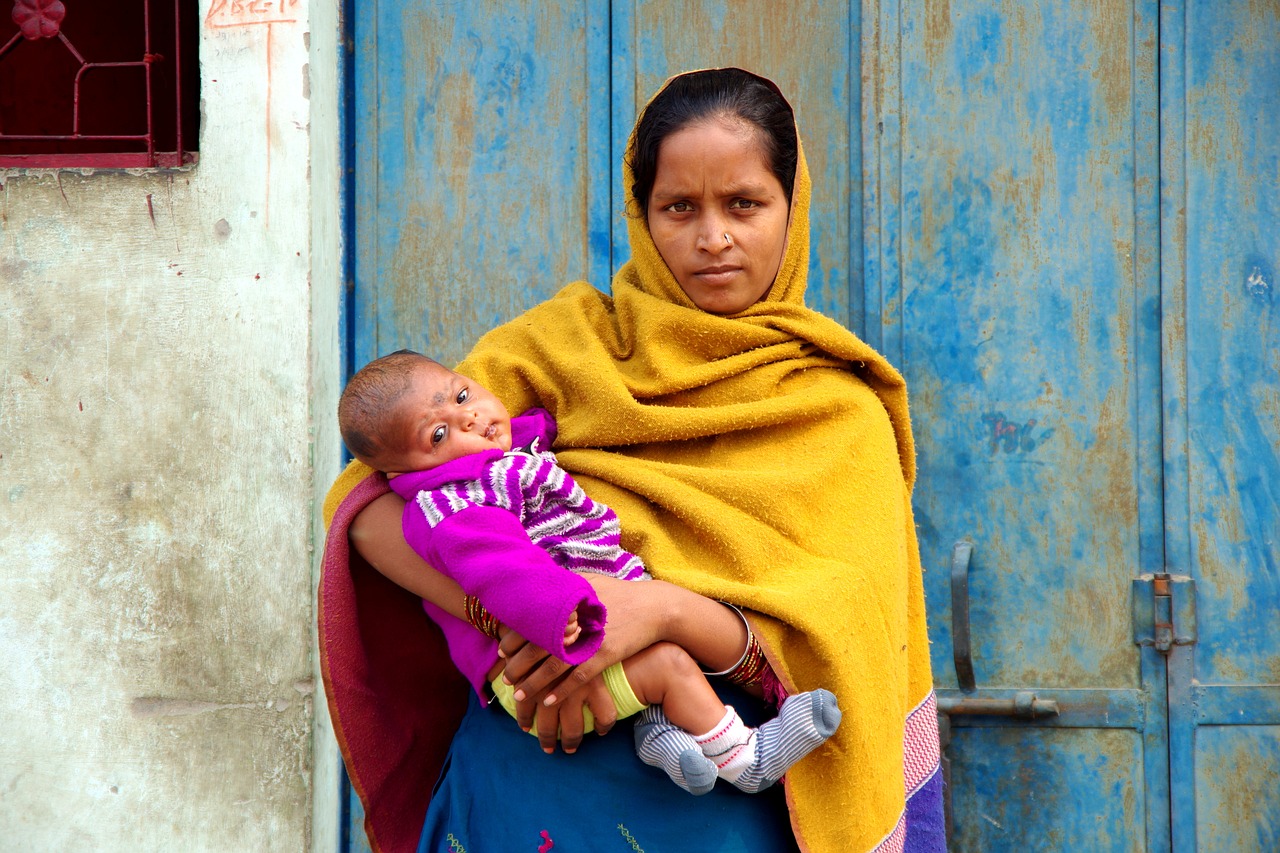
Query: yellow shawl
{"points": [[763, 459]]}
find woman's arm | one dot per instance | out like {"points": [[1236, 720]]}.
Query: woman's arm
{"points": [[377, 536]]}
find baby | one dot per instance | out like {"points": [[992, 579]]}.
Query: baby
{"points": [[488, 506]]}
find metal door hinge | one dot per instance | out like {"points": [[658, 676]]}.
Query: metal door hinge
{"points": [[1164, 611]]}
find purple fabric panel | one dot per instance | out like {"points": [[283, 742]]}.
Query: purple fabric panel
{"points": [[534, 423], [926, 823], [471, 467], [487, 551]]}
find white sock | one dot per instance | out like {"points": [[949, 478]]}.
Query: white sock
{"points": [[731, 744]]}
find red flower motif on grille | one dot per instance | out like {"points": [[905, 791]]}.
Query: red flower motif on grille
{"points": [[39, 18]]}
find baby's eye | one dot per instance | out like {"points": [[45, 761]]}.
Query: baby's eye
{"points": [[438, 434], [463, 395]]}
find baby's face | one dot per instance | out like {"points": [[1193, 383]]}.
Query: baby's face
{"points": [[443, 416]]}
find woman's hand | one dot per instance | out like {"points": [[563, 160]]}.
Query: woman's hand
{"points": [[640, 613], [636, 621], [563, 721]]}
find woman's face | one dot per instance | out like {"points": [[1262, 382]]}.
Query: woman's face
{"points": [[718, 214]]}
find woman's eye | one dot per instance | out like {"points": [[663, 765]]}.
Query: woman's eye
{"points": [[438, 435], [680, 207], [743, 204]]}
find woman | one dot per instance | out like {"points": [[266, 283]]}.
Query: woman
{"points": [[756, 453]]}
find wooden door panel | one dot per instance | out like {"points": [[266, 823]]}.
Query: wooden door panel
{"points": [[481, 166], [1235, 806], [1005, 780], [1019, 316], [1224, 470], [1016, 263]]}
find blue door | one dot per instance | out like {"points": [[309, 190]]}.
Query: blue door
{"points": [[1060, 220]]}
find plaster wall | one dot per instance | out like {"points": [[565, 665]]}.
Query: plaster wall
{"points": [[156, 478]]}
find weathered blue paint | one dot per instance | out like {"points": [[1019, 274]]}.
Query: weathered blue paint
{"points": [[1028, 315], [1238, 813], [1059, 220], [481, 181], [1225, 731], [1005, 782]]}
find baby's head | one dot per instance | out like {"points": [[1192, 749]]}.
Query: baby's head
{"points": [[404, 412]]}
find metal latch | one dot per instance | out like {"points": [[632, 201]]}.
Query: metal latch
{"points": [[1024, 705], [1164, 611]]}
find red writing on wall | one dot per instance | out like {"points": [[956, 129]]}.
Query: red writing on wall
{"points": [[244, 13]]}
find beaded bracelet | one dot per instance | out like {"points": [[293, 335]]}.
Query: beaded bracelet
{"points": [[749, 670], [480, 618]]}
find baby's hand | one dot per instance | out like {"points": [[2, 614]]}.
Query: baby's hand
{"points": [[572, 631]]}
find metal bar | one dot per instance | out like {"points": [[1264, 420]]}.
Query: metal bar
{"points": [[177, 76], [1250, 705], [961, 553], [10, 43], [85, 67], [118, 160], [1025, 705], [129, 64], [73, 137], [870, 89], [146, 52], [1179, 548], [71, 47], [1078, 708], [622, 110], [856, 299], [366, 164]]}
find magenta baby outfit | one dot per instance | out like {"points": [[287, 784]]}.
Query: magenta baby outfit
{"points": [[506, 526]]}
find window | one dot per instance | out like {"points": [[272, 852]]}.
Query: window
{"points": [[90, 83]]}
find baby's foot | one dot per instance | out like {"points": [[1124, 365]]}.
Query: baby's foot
{"points": [[804, 723], [659, 743]]}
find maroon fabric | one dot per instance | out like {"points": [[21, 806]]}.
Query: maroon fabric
{"points": [[394, 696]]}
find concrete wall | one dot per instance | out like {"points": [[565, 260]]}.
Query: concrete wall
{"points": [[160, 335]]}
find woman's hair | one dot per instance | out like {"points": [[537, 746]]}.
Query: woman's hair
{"points": [[719, 93]]}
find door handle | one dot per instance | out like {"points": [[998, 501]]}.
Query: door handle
{"points": [[1024, 705]]}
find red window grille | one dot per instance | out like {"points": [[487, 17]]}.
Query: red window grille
{"points": [[98, 83]]}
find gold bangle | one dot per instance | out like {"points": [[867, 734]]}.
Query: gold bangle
{"points": [[480, 618]]}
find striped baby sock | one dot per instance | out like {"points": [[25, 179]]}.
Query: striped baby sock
{"points": [[753, 759], [659, 743]]}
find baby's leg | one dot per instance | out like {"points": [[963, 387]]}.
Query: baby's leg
{"points": [[671, 748], [664, 674], [753, 759], [680, 700]]}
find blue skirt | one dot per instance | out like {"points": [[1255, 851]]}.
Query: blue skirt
{"points": [[499, 792]]}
